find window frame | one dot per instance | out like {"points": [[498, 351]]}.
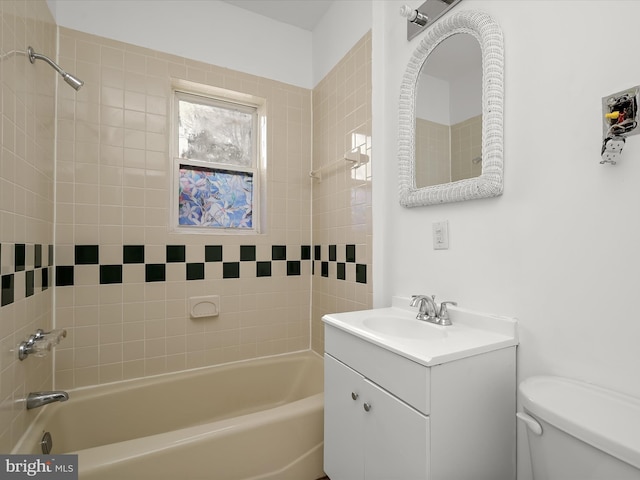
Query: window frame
{"points": [[223, 98]]}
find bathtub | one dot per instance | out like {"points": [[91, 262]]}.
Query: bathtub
{"points": [[257, 419]]}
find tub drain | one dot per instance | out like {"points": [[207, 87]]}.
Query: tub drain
{"points": [[46, 443]]}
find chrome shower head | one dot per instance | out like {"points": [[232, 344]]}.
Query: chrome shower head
{"points": [[75, 82]]}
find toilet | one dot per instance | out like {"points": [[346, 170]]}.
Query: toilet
{"points": [[579, 431]]}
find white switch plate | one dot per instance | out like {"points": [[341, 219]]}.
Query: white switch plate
{"points": [[441, 235]]}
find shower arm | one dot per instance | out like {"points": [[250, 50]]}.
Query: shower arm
{"points": [[70, 79], [33, 56]]}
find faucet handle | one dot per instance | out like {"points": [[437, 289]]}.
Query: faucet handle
{"points": [[443, 315], [40, 349], [40, 343]]}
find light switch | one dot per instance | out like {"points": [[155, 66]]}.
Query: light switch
{"points": [[441, 235]]}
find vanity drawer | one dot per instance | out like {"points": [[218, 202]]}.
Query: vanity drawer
{"points": [[404, 378]]}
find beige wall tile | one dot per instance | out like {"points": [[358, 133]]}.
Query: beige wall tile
{"points": [[342, 200], [26, 208], [466, 145], [119, 174], [113, 189]]}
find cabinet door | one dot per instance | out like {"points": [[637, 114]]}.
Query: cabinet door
{"points": [[395, 436], [343, 459]]}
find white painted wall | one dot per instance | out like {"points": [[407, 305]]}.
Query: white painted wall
{"points": [[221, 34], [213, 32], [434, 100], [452, 102], [466, 96], [340, 28], [560, 249]]}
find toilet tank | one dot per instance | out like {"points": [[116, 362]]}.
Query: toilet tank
{"points": [[585, 432]]}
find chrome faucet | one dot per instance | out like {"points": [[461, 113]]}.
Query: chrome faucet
{"points": [[428, 310], [426, 307], [38, 399]]}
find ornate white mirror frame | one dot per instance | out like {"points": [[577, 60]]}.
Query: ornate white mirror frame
{"points": [[490, 182]]}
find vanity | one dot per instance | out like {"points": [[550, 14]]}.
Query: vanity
{"points": [[409, 400]]}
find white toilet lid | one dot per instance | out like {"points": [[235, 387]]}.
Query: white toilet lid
{"points": [[605, 419]]}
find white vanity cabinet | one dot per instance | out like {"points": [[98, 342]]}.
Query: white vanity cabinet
{"points": [[389, 417], [369, 433]]}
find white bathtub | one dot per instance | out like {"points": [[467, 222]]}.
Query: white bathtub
{"points": [[259, 419]]}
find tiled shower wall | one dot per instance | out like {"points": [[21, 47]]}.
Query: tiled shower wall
{"points": [[123, 281], [466, 145], [451, 151], [432, 142], [342, 199], [26, 205]]}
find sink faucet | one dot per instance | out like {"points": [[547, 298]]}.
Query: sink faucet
{"points": [[426, 306], [428, 310], [38, 399]]}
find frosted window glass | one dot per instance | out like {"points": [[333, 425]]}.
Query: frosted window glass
{"points": [[215, 198], [214, 134]]}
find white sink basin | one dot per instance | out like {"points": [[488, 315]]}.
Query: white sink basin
{"points": [[403, 327], [396, 329]]}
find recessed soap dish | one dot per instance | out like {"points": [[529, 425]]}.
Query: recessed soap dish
{"points": [[207, 306]]}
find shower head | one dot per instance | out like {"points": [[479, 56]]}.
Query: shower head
{"points": [[75, 82]]}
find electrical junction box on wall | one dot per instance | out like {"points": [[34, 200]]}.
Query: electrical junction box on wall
{"points": [[620, 120], [620, 113]]}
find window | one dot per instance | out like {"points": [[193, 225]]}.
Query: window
{"points": [[216, 167]]}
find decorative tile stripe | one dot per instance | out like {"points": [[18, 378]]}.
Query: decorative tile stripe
{"points": [[27, 269], [24, 270], [343, 258], [157, 270]]}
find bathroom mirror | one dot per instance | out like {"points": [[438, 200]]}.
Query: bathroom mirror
{"points": [[448, 128], [450, 123]]}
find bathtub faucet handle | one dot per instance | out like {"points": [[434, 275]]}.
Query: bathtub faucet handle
{"points": [[54, 336], [40, 343]]}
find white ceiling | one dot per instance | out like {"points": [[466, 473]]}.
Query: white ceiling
{"points": [[304, 14]]}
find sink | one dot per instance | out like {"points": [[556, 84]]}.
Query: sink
{"points": [[403, 327], [396, 329]]}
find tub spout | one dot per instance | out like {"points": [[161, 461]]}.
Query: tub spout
{"points": [[38, 399]]}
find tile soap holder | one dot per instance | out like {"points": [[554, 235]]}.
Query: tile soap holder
{"points": [[207, 306]]}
